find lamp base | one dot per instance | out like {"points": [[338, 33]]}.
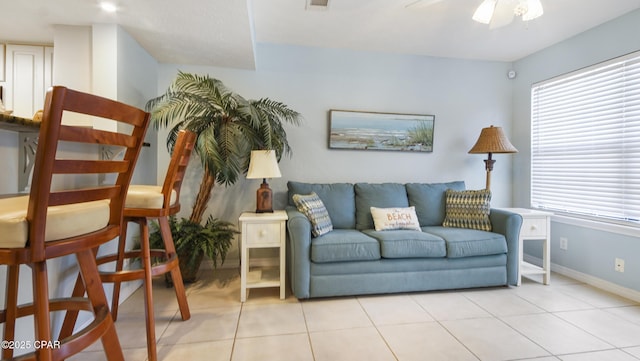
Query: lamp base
{"points": [[264, 198], [488, 164]]}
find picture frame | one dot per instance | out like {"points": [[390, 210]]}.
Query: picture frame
{"points": [[381, 131]]}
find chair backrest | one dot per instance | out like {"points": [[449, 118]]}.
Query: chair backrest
{"points": [[182, 150], [50, 161]]}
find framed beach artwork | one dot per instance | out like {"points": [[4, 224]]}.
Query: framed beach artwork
{"points": [[381, 131]]}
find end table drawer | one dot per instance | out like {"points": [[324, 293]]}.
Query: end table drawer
{"points": [[534, 227], [267, 233]]}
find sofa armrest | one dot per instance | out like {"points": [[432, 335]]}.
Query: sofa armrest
{"points": [[299, 252], [508, 224]]}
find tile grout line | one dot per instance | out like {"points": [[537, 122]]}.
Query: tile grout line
{"points": [[235, 334], [449, 331], [377, 330], [306, 326]]}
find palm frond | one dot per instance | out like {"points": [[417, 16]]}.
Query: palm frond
{"points": [[227, 125], [207, 149]]}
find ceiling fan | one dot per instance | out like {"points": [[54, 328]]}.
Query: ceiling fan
{"points": [[421, 3], [496, 13], [499, 13]]}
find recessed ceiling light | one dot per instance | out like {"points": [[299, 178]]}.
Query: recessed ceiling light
{"points": [[108, 7]]}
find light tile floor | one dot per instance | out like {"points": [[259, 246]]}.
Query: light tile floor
{"points": [[566, 320]]}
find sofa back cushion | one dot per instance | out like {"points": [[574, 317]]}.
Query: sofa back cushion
{"points": [[429, 200], [338, 199], [381, 195]]}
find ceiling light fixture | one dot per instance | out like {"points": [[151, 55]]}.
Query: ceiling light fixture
{"points": [[498, 13], [108, 7]]}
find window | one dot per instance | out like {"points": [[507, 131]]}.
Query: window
{"points": [[585, 141]]}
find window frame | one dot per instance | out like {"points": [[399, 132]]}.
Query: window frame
{"points": [[631, 60]]}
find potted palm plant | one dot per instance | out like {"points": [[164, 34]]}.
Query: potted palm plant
{"points": [[228, 127], [193, 241]]}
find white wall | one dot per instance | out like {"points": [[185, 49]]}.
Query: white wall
{"points": [[72, 63], [464, 96], [591, 251], [137, 82], [104, 57]]}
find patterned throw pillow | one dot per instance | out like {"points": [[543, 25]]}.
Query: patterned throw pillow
{"points": [[386, 219], [468, 209], [311, 206]]}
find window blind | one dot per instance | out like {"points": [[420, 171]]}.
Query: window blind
{"points": [[585, 141]]}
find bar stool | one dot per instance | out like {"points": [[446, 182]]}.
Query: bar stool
{"points": [[55, 221], [145, 202]]}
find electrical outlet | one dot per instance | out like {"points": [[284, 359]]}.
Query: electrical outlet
{"points": [[619, 267], [564, 243]]}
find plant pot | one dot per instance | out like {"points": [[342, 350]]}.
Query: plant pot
{"points": [[189, 272]]}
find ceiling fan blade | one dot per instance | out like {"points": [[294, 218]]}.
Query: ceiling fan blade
{"points": [[502, 15], [416, 4]]}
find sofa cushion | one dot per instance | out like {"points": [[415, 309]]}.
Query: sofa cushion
{"points": [[338, 198], [387, 219], [462, 242], [344, 245], [381, 195], [468, 209], [311, 206], [429, 200], [408, 244]]}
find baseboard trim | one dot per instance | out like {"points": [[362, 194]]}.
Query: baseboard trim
{"points": [[589, 279]]}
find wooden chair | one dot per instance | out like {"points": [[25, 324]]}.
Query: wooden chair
{"points": [[55, 221], [144, 203]]}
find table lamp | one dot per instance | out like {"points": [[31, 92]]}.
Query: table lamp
{"points": [[492, 140], [263, 164]]}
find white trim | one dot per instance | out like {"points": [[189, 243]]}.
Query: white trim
{"points": [[626, 230], [625, 292]]}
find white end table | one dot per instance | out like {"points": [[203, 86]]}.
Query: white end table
{"points": [[262, 230], [536, 225]]}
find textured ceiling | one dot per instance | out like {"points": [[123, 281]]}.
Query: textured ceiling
{"points": [[224, 32]]}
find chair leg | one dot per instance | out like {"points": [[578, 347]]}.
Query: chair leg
{"points": [[176, 276], [115, 298], [98, 299], [42, 323], [148, 289], [70, 318], [11, 308]]}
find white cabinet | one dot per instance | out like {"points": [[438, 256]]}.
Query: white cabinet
{"points": [[262, 230], [536, 225], [28, 75]]}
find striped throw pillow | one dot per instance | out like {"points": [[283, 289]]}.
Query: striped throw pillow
{"points": [[311, 206], [468, 209]]}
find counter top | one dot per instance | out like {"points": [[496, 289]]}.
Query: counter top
{"points": [[18, 124], [25, 125]]}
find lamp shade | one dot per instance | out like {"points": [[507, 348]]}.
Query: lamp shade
{"points": [[493, 140], [263, 164]]}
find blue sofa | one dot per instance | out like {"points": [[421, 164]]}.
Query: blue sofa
{"points": [[355, 259]]}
